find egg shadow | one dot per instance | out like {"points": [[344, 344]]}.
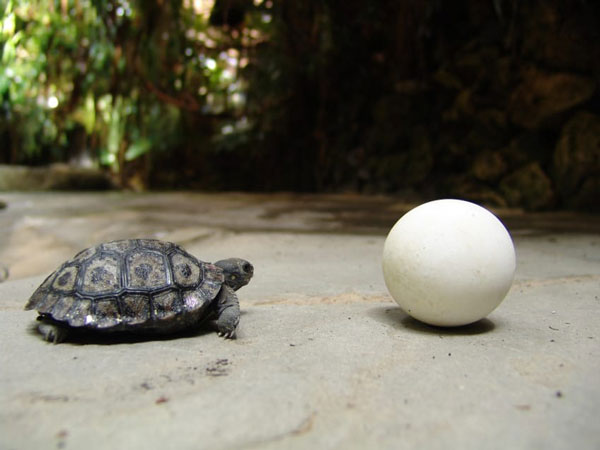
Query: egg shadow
{"points": [[395, 317]]}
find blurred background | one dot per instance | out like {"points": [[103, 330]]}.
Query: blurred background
{"points": [[496, 101]]}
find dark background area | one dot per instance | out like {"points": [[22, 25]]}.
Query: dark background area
{"points": [[495, 101]]}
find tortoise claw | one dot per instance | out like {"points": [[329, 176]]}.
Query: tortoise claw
{"points": [[52, 332], [227, 334]]}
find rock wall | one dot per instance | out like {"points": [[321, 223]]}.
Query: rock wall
{"points": [[493, 101], [519, 119]]}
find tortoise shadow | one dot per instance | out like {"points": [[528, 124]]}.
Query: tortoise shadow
{"points": [[92, 337], [395, 317], [99, 338], [82, 336]]}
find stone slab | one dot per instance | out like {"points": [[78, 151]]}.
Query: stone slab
{"points": [[324, 357]]}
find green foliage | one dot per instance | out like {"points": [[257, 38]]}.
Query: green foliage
{"points": [[127, 75], [317, 95]]}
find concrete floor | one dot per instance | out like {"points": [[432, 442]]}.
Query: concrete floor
{"points": [[324, 357]]}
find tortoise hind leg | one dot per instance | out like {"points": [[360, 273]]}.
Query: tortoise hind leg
{"points": [[228, 312], [51, 330]]}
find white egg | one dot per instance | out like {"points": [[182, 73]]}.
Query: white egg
{"points": [[448, 262]]}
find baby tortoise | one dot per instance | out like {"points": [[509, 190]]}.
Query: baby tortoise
{"points": [[141, 286]]}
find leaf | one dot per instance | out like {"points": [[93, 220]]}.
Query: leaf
{"points": [[138, 148], [8, 23], [86, 114]]}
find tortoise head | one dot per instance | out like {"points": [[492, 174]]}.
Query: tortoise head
{"points": [[237, 272]]}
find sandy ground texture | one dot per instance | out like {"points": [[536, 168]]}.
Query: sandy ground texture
{"points": [[324, 358]]}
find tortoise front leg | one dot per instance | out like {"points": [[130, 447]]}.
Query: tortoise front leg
{"points": [[228, 312]]}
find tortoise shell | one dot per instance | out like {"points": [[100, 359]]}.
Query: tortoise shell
{"points": [[129, 284]]}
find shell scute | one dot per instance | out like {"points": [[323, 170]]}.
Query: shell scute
{"points": [[135, 309], [85, 254], [146, 270], [193, 300], [61, 308], [65, 279], [47, 303], [102, 275], [153, 244], [37, 298], [212, 280], [186, 270], [167, 304], [118, 246], [106, 313], [80, 314]]}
